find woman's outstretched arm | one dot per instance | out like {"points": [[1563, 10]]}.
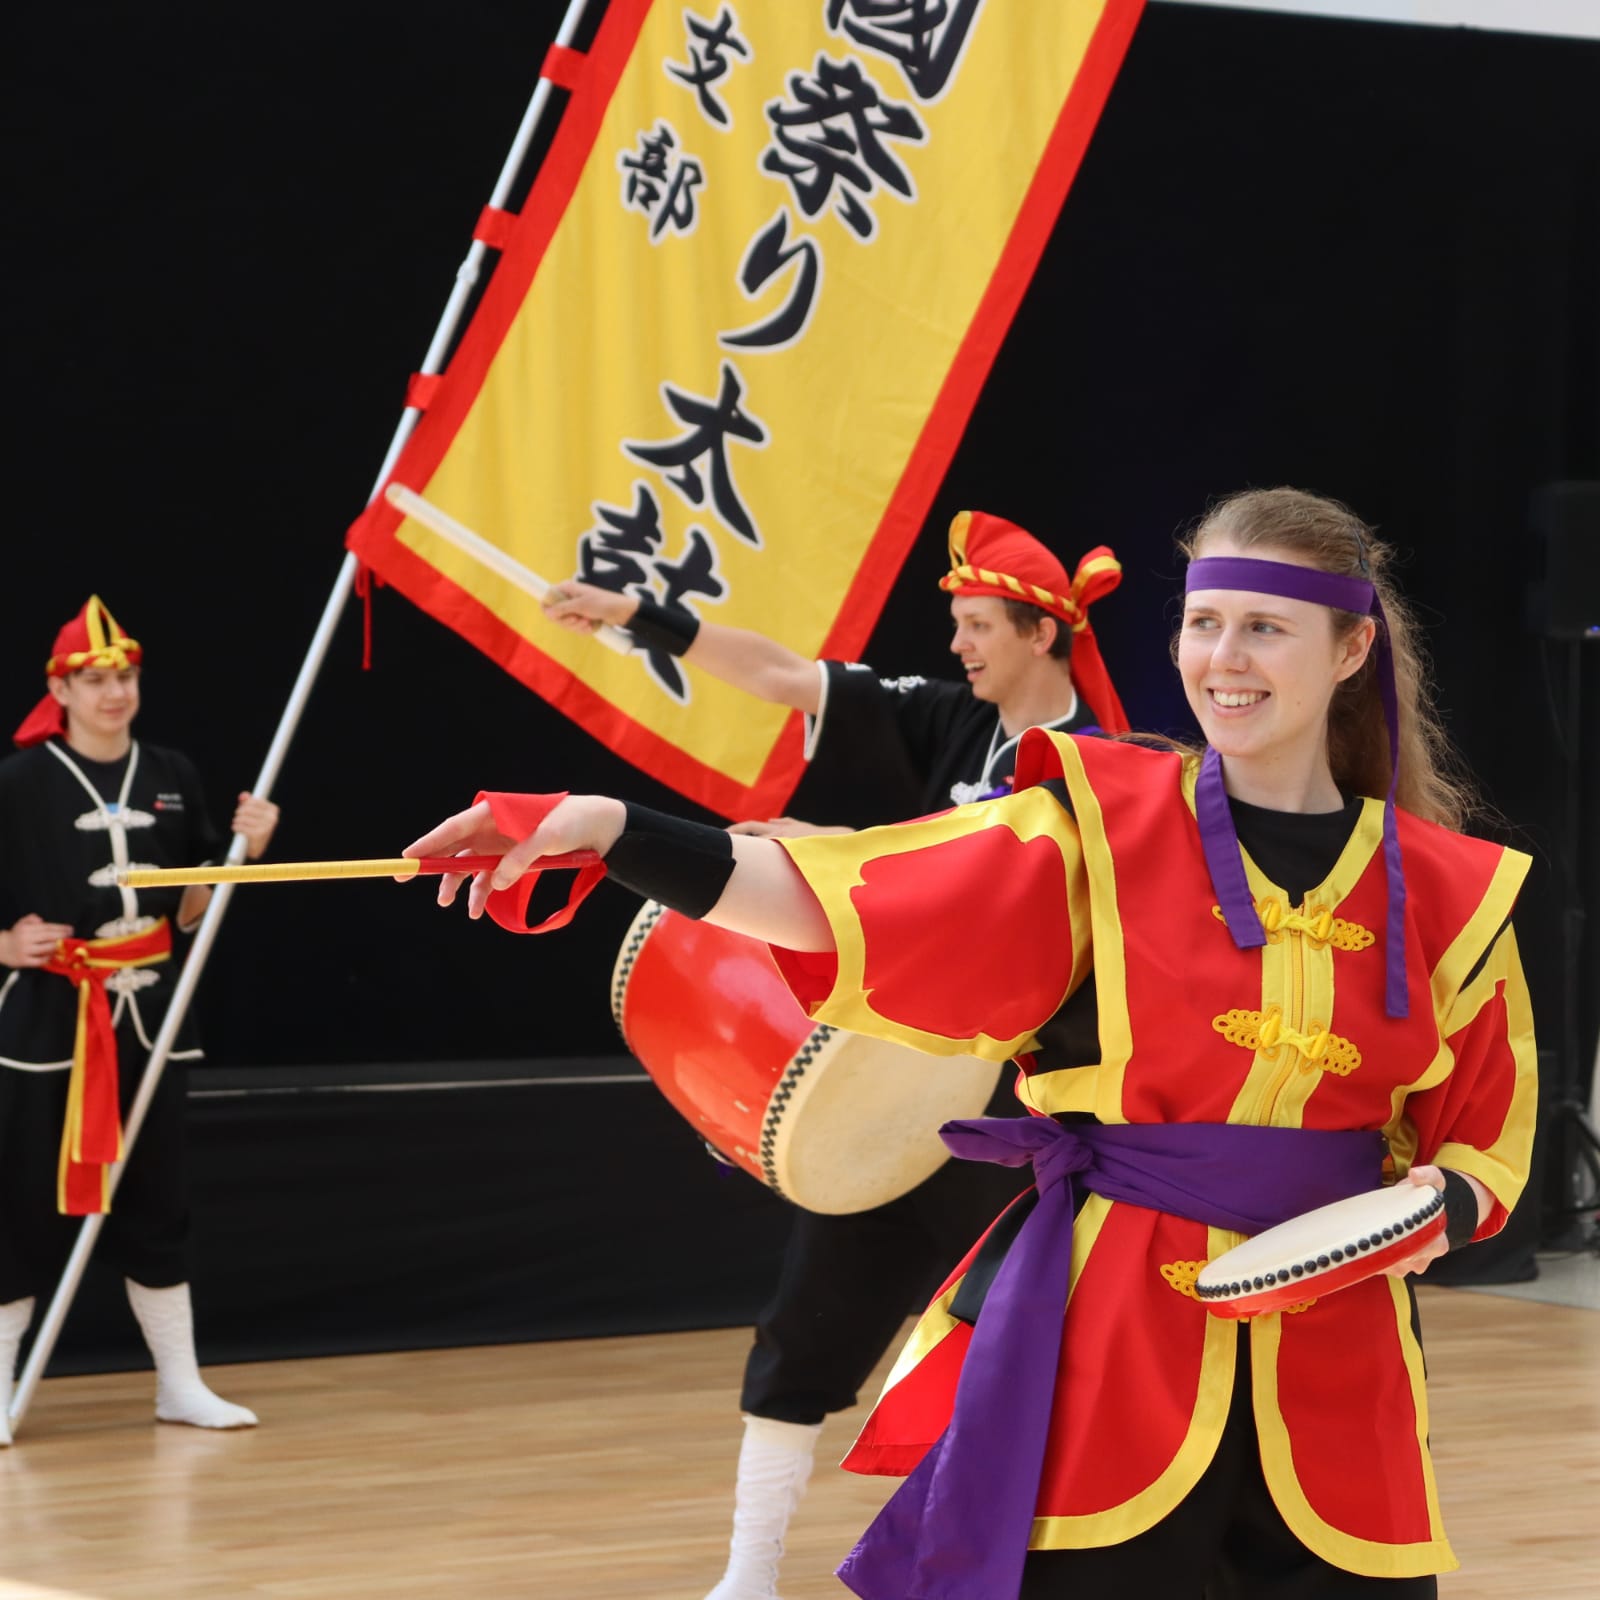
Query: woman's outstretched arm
{"points": [[764, 895]]}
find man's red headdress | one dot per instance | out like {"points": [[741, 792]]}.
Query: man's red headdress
{"points": [[989, 555], [92, 639]]}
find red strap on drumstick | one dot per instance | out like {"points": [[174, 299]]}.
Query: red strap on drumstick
{"points": [[516, 816]]}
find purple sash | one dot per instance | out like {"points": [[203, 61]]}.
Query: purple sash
{"points": [[958, 1527]]}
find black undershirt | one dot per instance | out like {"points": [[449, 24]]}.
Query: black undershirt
{"points": [[106, 776], [1296, 849]]}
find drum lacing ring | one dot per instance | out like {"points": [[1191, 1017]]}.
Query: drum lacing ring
{"points": [[781, 1095], [1331, 1258], [637, 934]]}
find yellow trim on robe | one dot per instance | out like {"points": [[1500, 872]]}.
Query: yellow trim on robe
{"points": [[1056, 1092], [1450, 995], [1213, 1396], [932, 1328], [1492, 1167], [1365, 1556], [832, 866]]}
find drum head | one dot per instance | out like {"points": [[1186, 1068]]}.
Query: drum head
{"points": [[855, 1122], [832, 1120], [1322, 1250]]}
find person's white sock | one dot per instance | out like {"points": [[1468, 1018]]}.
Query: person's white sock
{"points": [[15, 1316], [166, 1319], [774, 1465]]}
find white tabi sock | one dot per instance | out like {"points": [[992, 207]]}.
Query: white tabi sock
{"points": [[14, 1319], [167, 1321], [774, 1464]]}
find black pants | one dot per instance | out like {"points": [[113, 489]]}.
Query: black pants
{"points": [[849, 1282], [146, 1233], [1226, 1541]]}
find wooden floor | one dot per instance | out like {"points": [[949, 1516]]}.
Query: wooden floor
{"points": [[602, 1470]]}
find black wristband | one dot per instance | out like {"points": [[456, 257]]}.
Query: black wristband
{"points": [[669, 628], [1460, 1210], [685, 865]]}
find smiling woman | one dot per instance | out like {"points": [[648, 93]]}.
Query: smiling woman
{"points": [[1315, 653], [1242, 984]]}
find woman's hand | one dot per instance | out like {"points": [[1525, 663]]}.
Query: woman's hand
{"points": [[579, 822], [30, 941], [256, 819], [1438, 1245]]}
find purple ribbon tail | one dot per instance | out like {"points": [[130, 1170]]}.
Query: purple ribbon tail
{"points": [[958, 1528], [1396, 1001], [1220, 843]]}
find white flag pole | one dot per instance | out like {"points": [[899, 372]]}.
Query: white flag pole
{"points": [[467, 275]]}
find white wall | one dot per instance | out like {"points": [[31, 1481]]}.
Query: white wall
{"points": [[1580, 18]]}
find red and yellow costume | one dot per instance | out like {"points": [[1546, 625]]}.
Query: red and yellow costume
{"points": [[1193, 1029]]}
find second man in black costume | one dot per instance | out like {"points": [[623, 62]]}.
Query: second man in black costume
{"points": [[910, 746]]}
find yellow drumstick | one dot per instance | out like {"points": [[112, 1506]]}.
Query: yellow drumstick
{"points": [[311, 871]]}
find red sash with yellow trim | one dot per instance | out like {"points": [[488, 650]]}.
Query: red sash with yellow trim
{"points": [[91, 1137]]}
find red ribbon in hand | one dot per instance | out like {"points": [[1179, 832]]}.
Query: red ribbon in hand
{"points": [[516, 816]]}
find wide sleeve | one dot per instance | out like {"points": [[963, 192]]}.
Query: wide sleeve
{"points": [[1479, 1118], [882, 737], [960, 934]]}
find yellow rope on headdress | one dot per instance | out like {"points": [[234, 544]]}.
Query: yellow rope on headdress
{"points": [[109, 646], [1091, 574]]}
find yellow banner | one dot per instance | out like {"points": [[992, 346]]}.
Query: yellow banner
{"points": [[734, 337]]}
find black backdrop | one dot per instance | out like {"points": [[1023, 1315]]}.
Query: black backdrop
{"points": [[1364, 259]]}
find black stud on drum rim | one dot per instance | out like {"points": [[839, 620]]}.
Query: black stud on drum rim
{"points": [[781, 1096]]}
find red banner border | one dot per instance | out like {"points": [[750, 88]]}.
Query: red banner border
{"points": [[372, 535]]}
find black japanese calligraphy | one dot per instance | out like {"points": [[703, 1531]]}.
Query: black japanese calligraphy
{"points": [[926, 37], [624, 554], [707, 46], [768, 254], [661, 183], [830, 143], [711, 424]]}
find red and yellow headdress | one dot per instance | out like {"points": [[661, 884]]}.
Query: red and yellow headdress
{"points": [[92, 639], [989, 555]]}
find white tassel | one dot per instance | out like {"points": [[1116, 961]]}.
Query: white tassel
{"points": [[166, 1319], [14, 1319], [774, 1465]]}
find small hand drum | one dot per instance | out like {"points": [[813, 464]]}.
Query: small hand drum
{"points": [[1320, 1251]]}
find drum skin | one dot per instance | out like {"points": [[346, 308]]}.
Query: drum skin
{"points": [[1320, 1251], [829, 1119]]}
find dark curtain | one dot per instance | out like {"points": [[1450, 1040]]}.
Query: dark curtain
{"points": [[1360, 258]]}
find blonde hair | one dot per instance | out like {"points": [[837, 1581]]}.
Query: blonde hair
{"points": [[1329, 536]]}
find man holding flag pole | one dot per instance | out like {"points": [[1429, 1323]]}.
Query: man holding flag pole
{"points": [[1022, 634], [88, 979], [780, 246]]}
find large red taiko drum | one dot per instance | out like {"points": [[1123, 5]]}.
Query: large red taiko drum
{"points": [[829, 1119]]}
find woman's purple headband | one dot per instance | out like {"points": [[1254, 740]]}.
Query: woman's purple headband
{"points": [[1218, 837]]}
